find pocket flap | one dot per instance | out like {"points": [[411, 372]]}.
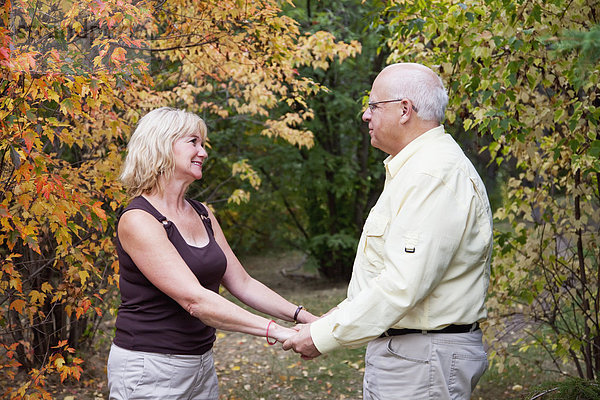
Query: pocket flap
{"points": [[375, 224]]}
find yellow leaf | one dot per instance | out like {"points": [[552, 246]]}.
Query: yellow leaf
{"points": [[37, 297], [83, 275], [77, 26], [15, 282], [59, 362], [46, 287]]}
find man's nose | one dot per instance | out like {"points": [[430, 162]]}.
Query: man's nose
{"points": [[366, 115]]}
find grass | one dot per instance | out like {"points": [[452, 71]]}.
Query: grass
{"points": [[516, 382]]}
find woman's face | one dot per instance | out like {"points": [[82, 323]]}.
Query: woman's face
{"points": [[190, 154]]}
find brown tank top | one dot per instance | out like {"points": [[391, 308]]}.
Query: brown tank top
{"points": [[148, 319]]}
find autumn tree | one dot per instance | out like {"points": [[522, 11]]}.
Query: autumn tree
{"points": [[315, 199], [274, 114], [538, 120], [75, 80], [63, 81]]}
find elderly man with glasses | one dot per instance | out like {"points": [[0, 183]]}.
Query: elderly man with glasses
{"points": [[421, 272]]}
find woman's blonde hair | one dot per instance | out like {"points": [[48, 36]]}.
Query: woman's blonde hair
{"points": [[150, 148]]}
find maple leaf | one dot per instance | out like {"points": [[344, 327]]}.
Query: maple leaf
{"points": [[4, 53], [46, 287], [97, 208], [118, 56], [83, 276], [30, 60], [61, 343], [17, 305], [37, 297]]}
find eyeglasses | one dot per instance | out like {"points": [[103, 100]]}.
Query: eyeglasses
{"points": [[373, 106]]}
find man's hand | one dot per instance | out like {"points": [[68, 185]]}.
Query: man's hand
{"points": [[302, 343]]}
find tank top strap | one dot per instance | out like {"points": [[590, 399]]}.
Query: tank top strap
{"points": [[141, 203], [203, 212]]}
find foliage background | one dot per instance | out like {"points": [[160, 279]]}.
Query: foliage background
{"points": [[282, 87], [75, 79]]}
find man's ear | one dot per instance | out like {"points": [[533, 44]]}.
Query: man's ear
{"points": [[404, 116]]}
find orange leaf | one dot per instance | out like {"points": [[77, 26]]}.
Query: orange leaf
{"points": [[18, 305], [118, 56], [29, 137], [62, 343], [97, 207], [30, 60], [4, 53], [77, 361]]}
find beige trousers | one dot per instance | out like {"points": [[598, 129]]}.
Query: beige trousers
{"points": [[142, 375], [440, 366]]}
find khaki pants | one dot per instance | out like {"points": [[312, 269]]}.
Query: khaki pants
{"points": [[142, 375], [440, 366]]}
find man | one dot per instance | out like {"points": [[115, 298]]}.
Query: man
{"points": [[421, 271]]}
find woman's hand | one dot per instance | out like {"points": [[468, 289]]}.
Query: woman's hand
{"points": [[280, 333]]}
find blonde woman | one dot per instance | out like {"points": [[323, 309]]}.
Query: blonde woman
{"points": [[173, 257]]}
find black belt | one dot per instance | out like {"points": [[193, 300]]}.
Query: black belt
{"points": [[448, 329]]}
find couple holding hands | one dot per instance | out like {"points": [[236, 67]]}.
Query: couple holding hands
{"points": [[419, 278]]}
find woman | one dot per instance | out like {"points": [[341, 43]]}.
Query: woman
{"points": [[173, 256]]}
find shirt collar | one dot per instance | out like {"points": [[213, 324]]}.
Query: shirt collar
{"points": [[394, 163]]}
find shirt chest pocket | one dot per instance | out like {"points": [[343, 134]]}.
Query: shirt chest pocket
{"points": [[375, 230]]}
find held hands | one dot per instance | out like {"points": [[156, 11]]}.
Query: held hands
{"points": [[297, 337], [302, 343]]}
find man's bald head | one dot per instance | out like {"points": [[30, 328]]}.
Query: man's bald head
{"points": [[419, 84]]}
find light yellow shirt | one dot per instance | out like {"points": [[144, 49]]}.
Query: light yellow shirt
{"points": [[423, 260]]}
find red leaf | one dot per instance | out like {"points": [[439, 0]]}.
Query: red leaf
{"points": [[4, 53]]}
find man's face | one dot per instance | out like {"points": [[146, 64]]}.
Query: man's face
{"points": [[383, 118]]}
